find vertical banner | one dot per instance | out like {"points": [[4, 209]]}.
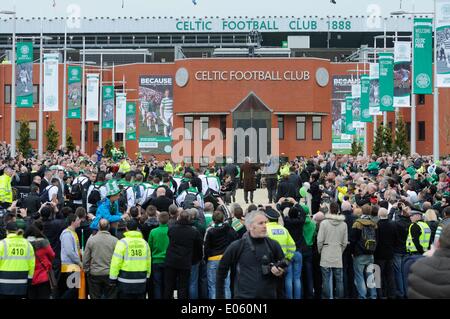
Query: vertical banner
{"points": [[386, 77], [74, 92], [374, 90], [24, 74], [342, 86], [51, 62], [92, 83], [365, 88], [121, 104], [155, 114], [402, 74], [131, 121], [108, 107], [349, 128], [443, 42], [423, 56], [356, 106]]}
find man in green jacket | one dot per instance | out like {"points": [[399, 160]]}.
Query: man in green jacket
{"points": [[158, 241]]}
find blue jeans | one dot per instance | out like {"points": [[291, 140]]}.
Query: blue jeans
{"points": [[292, 281], [193, 282], [359, 265], [212, 266], [203, 281], [397, 265], [327, 282], [158, 280], [308, 274]]}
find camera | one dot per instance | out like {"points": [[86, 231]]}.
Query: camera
{"points": [[265, 265], [281, 264]]}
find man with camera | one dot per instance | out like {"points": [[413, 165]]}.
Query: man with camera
{"points": [[256, 262]]}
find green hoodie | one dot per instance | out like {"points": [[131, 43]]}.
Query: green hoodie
{"points": [[308, 231], [158, 240]]}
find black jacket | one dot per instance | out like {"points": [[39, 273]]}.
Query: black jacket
{"points": [[386, 237], [433, 226], [32, 203], [295, 229], [217, 239], [52, 230], [429, 277], [184, 242], [148, 226], [246, 265], [161, 203], [349, 220], [295, 181], [286, 189], [362, 200], [356, 246], [402, 228]]}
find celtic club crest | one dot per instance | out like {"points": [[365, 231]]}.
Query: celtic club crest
{"points": [[386, 100], [423, 80]]}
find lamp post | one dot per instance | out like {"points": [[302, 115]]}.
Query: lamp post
{"points": [[13, 83]]}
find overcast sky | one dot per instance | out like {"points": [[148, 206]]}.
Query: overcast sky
{"points": [[222, 8]]}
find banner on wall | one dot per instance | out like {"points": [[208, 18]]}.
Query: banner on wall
{"points": [[365, 88], [51, 62], [356, 106], [24, 74], [374, 90], [74, 92], [443, 42], [108, 107], [92, 84], [402, 74], [386, 78], [423, 56], [121, 104], [349, 128], [155, 114], [131, 121]]}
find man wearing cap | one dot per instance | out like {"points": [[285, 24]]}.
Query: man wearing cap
{"points": [[417, 242], [6, 195], [131, 263], [109, 208], [16, 264]]}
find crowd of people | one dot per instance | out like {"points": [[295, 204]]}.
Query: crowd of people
{"points": [[78, 226]]}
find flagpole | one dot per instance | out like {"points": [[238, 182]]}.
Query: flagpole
{"points": [[83, 124], [100, 120], [436, 94], [124, 134], [41, 111], [64, 123], [113, 137]]}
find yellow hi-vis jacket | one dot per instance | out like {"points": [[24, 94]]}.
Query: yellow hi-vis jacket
{"points": [[6, 195], [282, 236], [131, 263], [424, 238], [168, 168], [124, 167], [16, 265]]}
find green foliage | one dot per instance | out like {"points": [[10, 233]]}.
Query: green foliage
{"points": [[401, 145], [52, 137], [387, 140], [357, 147], [24, 144], [109, 145], [70, 145], [378, 146]]}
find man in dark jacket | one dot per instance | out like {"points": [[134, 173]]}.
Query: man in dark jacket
{"points": [[253, 261], [429, 277], [294, 179], [32, 202], [161, 202], [184, 242], [315, 192], [218, 237], [286, 189], [384, 253], [347, 259]]}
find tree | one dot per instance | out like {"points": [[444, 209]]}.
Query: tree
{"points": [[401, 137], [109, 145], [52, 137], [378, 146], [387, 140], [357, 147], [70, 145], [24, 145]]}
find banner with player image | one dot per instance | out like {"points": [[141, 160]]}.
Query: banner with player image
{"points": [[356, 106], [365, 88], [131, 121], [74, 92], [155, 114], [92, 85], [108, 107], [121, 104], [374, 90], [24, 74], [51, 82], [402, 74], [443, 43]]}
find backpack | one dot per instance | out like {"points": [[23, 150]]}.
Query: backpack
{"points": [[123, 200], [44, 195], [76, 193], [94, 197], [189, 200], [368, 239]]}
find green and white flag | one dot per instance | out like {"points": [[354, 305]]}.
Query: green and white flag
{"points": [[443, 43], [108, 107], [51, 62], [402, 74], [423, 56], [349, 129], [92, 84], [74, 94], [131, 121], [121, 105], [374, 89], [356, 106], [24, 74], [386, 62], [365, 87]]}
